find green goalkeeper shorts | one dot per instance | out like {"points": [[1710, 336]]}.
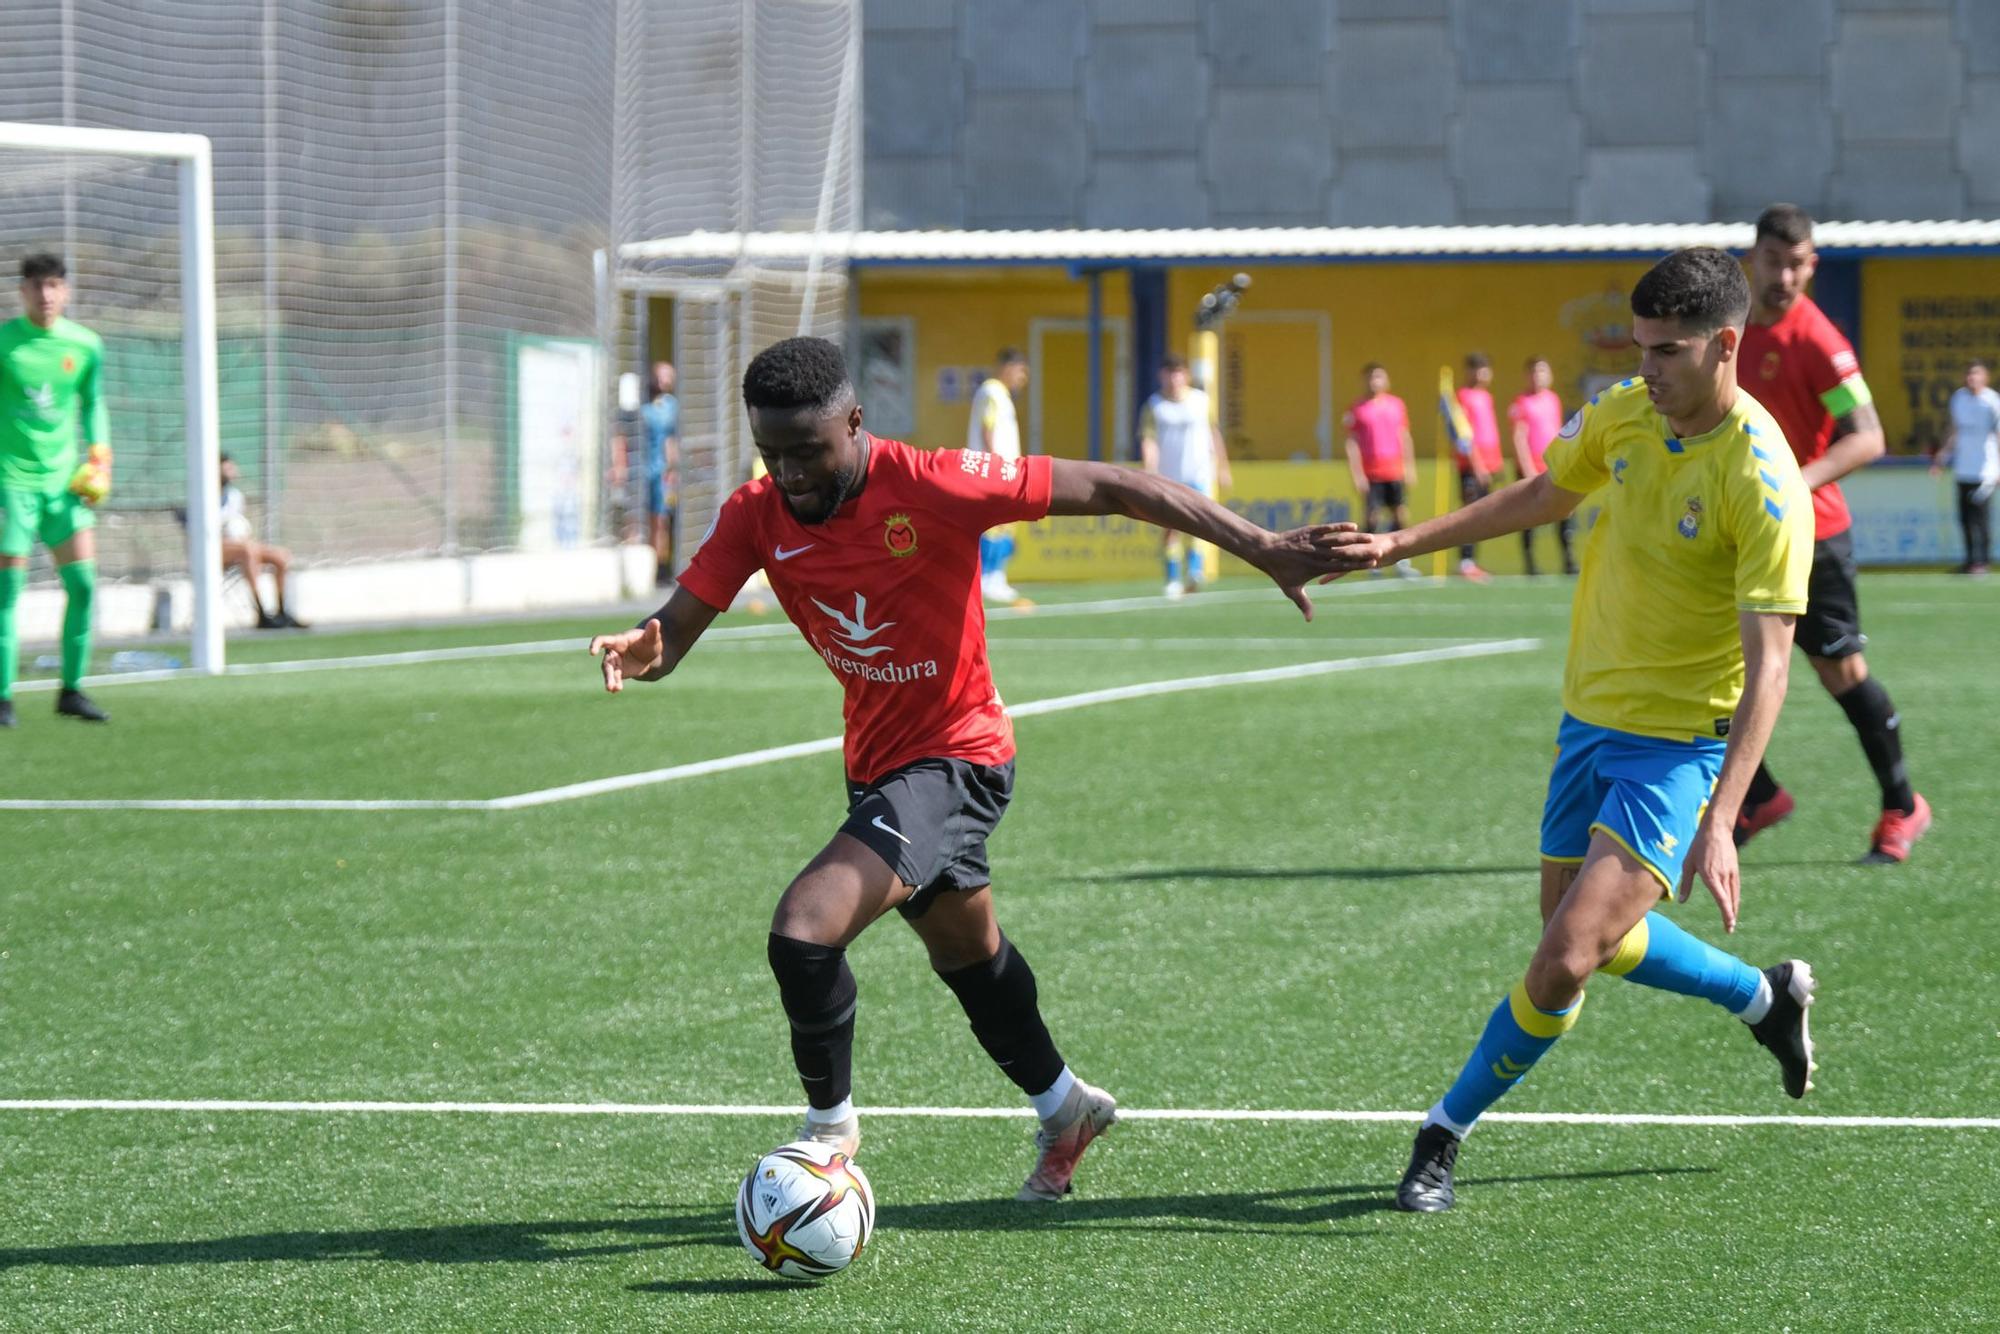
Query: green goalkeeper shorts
{"points": [[53, 516]]}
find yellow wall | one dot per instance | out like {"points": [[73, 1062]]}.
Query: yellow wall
{"points": [[1413, 318], [1416, 317], [659, 329], [1921, 321], [962, 317]]}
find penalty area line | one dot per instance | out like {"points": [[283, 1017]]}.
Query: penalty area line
{"points": [[729, 1110]]}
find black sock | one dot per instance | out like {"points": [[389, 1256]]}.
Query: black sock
{"points": [[1000, 999], [1880, 730], [1763, 787], [819, 996]]}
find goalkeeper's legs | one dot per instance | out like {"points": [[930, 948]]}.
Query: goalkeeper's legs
{"points": [[13, 575], [76, 563]]}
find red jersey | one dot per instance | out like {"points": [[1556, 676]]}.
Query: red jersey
{"points": [[1803, 370], [1376, 424], [887, 593]]}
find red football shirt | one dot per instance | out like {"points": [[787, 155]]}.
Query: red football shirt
{"points": [[887, 593], [1803, 369]]}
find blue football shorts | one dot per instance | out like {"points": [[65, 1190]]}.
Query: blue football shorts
{"points": [[1647, 793]]}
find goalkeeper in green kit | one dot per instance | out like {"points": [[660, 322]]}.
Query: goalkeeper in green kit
{"points": [[48, 387]]}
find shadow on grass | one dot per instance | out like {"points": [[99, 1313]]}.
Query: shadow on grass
{"points": [[719, 1287], [1301, 873], [465, 1243], [663, 1227]]}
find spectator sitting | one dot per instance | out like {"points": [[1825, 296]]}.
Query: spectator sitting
{"points": [[242, 550]]}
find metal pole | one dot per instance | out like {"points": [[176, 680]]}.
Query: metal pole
{"points": [[449, 478], [273, 425], [607, 375], [1096, 337], [69, 118], [204, 442]]}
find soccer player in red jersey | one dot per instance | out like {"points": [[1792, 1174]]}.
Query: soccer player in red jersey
{"points": [[1798, 365], [872, 548]]}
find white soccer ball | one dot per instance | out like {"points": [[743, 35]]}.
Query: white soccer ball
{"points": [[805, 1210]]}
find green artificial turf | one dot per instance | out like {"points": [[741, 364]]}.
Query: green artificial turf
{"points": [[1302, 894]]}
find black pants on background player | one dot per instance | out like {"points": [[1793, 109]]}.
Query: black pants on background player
{"points": [[1975, 520]]}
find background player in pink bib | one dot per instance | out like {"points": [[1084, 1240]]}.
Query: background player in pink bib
{"points": [[1479, 458], [1380, 454], [1536, 414]]}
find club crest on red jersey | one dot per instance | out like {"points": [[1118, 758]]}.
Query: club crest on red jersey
{"points": [[900, 535], [1769, 369]]}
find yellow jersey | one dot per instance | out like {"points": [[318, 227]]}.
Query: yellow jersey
{"points": [[1689, 532]]}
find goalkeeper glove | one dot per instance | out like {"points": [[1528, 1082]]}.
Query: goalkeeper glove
{"points": [[93, 476]]}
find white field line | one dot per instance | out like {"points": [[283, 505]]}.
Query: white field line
{"points": [[1292, 672], [621, 782], [684, 1109], [1211, 643], [781, 629]]}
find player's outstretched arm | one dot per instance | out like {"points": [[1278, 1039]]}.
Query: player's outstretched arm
{"points": [[1524, 504], [655, 647], [1858, 440], [1767, 655], [1291, 559]]}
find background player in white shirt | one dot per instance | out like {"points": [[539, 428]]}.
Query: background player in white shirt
{"points": [[995, 428], [1178, 440], [1972, 448]]}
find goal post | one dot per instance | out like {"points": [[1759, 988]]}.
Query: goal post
{"points": [[191, 157]]}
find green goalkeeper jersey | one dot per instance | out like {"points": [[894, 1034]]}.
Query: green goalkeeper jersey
{"points": [[48, 380]]}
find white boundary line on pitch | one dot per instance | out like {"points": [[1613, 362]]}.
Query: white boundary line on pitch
{"points": [[646, 778], [780, 629], [976, 1113]]}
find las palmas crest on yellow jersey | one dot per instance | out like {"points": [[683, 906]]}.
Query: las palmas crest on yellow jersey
{"points": [[1690, 524]]}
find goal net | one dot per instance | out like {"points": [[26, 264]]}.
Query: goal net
{"points": [[735, 119]]}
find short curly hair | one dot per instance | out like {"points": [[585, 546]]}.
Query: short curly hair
{"points": [[798, 373], [1701, 286]]}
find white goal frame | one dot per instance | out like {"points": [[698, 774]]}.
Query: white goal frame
{"points": [[191, 155]]}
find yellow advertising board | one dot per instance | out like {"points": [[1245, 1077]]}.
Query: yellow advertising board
{"points": [[1921, 321]]}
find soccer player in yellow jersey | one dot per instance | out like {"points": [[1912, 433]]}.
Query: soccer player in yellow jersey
{"points": [[1680, 636]]}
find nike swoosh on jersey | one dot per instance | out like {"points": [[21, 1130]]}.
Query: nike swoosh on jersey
{"points": [[877, 822], [783, 554]]}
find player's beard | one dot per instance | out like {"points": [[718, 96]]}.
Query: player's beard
{"points": [[837, 494]]}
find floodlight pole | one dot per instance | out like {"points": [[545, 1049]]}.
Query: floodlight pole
{"points": [[197, 222]]}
